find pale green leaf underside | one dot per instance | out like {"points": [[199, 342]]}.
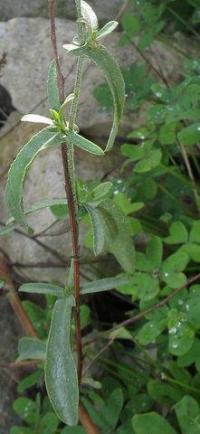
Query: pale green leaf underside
{"points": [[18, 170], [84, 143], [98, 230], [60, 369], [42, 288], [104, 60], [104, 284], [52, 87], [31, 348]]}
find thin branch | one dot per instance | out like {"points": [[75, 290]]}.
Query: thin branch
{"points": [[156, 306], [70, 198], [14, 299]]}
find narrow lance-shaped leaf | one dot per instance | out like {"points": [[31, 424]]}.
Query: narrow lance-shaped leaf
{"points": [[104, 284], [60, 369], [104, 60], [18, 170], [42, 288], [84, 143], [52, 87]]}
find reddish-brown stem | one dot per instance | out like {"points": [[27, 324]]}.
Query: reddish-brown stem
{"points": [[70, 197], [14, 299], [85, 420], [156, 306]]}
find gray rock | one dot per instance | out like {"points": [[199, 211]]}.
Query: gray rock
{"points": [[26, 42], [65, 8]]}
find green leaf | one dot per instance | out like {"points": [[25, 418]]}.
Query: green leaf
{"points": [[181, 334], [30, 381], [83, 143], [164, 393], [190, 135], [18, 170], [26, 409], [52, 87], [84, 315], [103, 284], [42, 288], [31, 348], [192, 356], [188, 415], [151, 161], [20, 430], [178, 234], [154, 252], [60, 369], [74, 430], [195, 232], [101, 191], [106, 30], [48, 423], [146, 286], [131, 24], [153, 328], [98, 229], [89, 16], [113, 408], [103, 59], [193, 250], [151, 423]]}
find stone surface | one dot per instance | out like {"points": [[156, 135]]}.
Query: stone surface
{"points": [[105, 9], [45, 180], [26, 43]]}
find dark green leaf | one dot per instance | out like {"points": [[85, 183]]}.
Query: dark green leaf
{"points": [[151, 423], [188, 415]]}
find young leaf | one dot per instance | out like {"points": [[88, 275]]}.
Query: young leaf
{"points": [[190, 135], [103, 59], [106, 30], [83, 143], [151, 423], [31, 348], [98, 229], [37, 119], [60, 369], [52, 87], [104, 284], [18, 170], [89, 16], [101, 191], [42, 288], [118, 238]]}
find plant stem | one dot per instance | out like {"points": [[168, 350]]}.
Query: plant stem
{"points": [[67, 157], [190, 174]]}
